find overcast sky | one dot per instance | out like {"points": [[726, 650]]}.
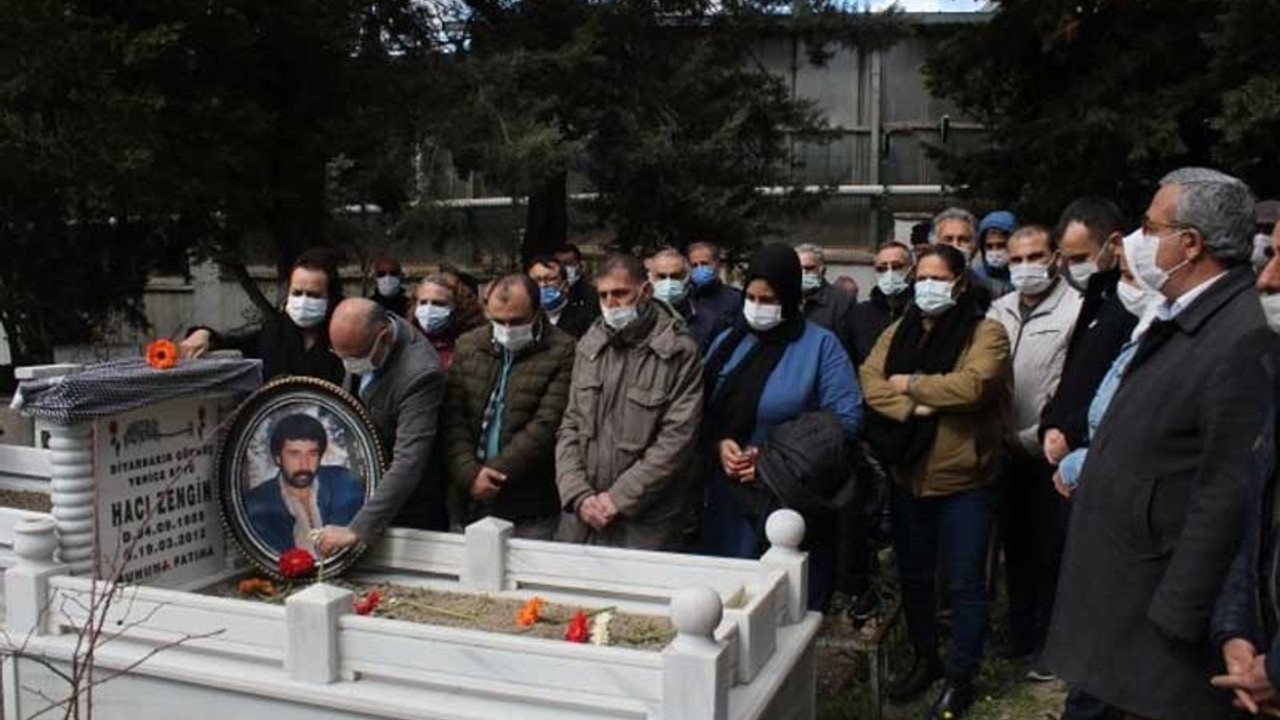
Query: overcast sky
{"points": [[934, 5]]}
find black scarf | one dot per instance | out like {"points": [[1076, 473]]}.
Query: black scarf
{"points": [[733, 406], [917, 351]]}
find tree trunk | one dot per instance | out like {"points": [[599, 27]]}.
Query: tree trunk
{"points": [[546, 223]]}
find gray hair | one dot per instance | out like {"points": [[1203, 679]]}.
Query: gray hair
{"points": [[812, 249], [955, 213], [708, 246], [668, 252], [1220, 207]]}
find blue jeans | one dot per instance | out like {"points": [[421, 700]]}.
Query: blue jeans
{"points": [[956, 531]]}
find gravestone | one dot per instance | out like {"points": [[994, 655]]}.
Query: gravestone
{"points": [[133, 458], [157, 518]]}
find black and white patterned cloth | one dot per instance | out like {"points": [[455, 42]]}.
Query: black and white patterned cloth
{"points": [[121, 385]]}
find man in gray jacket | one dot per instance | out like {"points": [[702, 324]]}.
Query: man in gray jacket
{"points": [[1038, 317], [396, 373], [635, 402]]}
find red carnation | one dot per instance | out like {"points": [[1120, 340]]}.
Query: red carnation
{"points": [[296, 563], [579, 630], [367, 604]]}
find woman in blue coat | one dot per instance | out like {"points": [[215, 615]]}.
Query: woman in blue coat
{"points": [[770, 368]]}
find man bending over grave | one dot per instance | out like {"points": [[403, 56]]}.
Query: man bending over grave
{"points": [[396, 373]]}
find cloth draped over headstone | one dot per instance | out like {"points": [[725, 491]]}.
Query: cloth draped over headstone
{"points": [[109, 388]]}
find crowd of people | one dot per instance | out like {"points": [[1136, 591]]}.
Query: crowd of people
{"points": [[1093, 402]]}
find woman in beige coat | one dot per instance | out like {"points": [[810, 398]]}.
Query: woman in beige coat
{"points": [[935, 382]]}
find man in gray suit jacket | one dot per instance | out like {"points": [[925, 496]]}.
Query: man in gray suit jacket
{"points": [[397, 375]]}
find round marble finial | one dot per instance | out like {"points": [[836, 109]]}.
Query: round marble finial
{"points": [[34, 539], [785, 529], [696, 611]]}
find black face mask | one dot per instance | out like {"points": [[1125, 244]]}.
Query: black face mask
{"points": [[301, 479]]}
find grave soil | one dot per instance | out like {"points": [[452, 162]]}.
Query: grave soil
{"points": [[25, 500], [474, 611]]}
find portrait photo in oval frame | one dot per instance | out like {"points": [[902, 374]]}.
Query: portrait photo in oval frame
{"points": [[299, 454]]}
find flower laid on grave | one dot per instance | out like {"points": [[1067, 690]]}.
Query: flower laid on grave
{"points": [[256, 586], [530, 613], [162, 354], [600, 628], [578, 630], [369, 602], [296, 563]]}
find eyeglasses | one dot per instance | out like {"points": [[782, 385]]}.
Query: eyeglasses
{"points": [[1150, 226]]}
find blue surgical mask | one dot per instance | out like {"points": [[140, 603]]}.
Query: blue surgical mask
{"points": [[551, 297], [670, 291], [933, 297], [433, 318], [703, 275]]}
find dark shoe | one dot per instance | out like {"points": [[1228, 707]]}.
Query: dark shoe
{"points": [[863, 607], [954, 701], [925, 671]]}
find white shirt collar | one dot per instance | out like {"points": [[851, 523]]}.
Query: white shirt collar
{"points": [[1169, 309]]}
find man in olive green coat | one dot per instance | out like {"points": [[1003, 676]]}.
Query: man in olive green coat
{"points": [[503, 402], [628, 435]]}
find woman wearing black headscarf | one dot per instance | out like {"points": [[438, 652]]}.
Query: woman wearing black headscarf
{"points": [[769, 368], [934, 383]]}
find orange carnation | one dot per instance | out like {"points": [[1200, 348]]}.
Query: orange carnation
{"points": [[530, 613], [162, 354], [256, 586]]}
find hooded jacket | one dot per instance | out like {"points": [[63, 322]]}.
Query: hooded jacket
{"points": [[994, 279]]}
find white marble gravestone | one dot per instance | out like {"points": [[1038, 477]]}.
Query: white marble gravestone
{"points": [[134, 493], [153, 493]]}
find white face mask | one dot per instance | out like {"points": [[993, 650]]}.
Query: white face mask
{"points": [[1138, 301], [811, 282], [433, 318], [933, 297], [1271, 309], [1141, 250], [388, 285], [671, 291], [1259, 257], [1081, 272], [892, 282], [362, 365], [1030, 278], [761, 318], [998, 259], [513, 337], [572, 274], [306, 312], [619, 317]]}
